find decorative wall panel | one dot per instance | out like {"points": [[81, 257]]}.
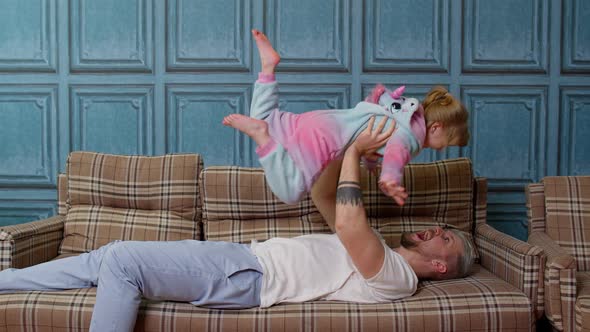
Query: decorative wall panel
{"points": [[113, 119], [507, 144], [575, 135], [111, 35], [28, 135], [208, 35], [152, 77], [505, 35], [28, 36], [576, 36], [409, 35], [194, 122], [310, 35]]}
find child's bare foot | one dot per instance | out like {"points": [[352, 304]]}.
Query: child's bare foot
{"points": [[268, 56], [256, 129]]}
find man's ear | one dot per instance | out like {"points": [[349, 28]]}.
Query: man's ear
{"points": [[439, 266]]}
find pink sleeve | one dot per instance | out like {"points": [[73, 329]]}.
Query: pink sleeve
{"points": [[395, 157]]}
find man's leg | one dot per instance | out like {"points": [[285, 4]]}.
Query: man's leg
{"points": [[213, 274], [72, 272]]}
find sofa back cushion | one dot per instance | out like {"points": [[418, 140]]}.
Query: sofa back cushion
{"points": [[62, 194], [567, 206], [114, 197], [238, 206]]}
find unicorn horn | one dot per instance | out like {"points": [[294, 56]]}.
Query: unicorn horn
{"points": [[398, 92]]}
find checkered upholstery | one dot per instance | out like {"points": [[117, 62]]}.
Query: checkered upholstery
{"points": [[455, 305], [239, 207], [559, 222], [130, 198], [62, 194], [500, 294]]}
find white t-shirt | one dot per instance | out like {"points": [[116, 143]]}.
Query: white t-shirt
{"points": [[318, 267]]}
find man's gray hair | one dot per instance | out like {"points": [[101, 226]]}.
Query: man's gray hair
{"points": [[467, 259]]}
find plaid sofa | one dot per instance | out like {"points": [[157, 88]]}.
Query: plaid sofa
{"points": [[559, 222], [104, 197]]}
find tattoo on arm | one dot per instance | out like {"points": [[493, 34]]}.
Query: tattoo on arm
{"points": [[349, 192]]}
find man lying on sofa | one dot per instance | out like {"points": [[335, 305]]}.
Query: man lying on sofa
{"points": [[352, 265]]}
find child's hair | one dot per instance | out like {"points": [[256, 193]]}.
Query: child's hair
{"points": [[440, 106]]}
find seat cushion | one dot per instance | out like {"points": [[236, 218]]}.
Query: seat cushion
{"points": [[238, 206], [583, 301], [114, 197], [567, 205], [481, 302]]}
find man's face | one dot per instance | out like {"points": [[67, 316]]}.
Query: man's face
{"points": [[434, 243]]}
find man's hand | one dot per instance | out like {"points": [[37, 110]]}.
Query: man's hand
{"points": [[370, 140], [394, 190]]}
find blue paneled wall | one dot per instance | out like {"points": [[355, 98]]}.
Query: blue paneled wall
{"points": [[152, 77]]}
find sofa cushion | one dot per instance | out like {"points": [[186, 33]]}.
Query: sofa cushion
{"points": [[583, 301], [238, 206], [130, 198], [567, 204], [62, 194], [481, 302]]}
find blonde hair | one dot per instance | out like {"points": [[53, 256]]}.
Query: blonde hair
{"points": [[441, 106]]}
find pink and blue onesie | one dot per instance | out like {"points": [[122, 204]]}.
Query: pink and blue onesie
{"points": [[302, 145]]}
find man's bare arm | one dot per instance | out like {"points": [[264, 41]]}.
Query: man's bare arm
{"points": [[323, 192], [363, 245]]}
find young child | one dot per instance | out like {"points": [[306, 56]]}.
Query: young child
{"points": [[294, 149]]}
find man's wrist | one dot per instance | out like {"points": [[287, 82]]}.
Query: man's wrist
{"points": [[353, 152]]}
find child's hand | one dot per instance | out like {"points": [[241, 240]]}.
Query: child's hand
{"points": [[371, 161], [394, 190]]}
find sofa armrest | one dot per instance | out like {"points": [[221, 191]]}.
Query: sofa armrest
{"points": [[560, 282], [514, 261], [30, 243]]}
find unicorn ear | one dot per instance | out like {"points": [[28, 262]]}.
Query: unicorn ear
{"points": [[398, 92], [374, 96]]}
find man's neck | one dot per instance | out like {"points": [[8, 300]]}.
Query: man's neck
{"points": [[415, 260]]}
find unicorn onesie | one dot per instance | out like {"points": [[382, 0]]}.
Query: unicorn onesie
{"points": [[302, 145]]}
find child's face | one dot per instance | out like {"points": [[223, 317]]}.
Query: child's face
{"points": [[436, 137]]}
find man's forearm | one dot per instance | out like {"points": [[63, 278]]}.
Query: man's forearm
{"points": [[349, 204], [323, 192]]}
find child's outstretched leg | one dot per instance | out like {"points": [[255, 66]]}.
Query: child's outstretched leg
{"points": [[269, 58], [283, 177], [265, 97]]}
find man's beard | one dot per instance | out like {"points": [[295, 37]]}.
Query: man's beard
{"points": [[406, 241]]}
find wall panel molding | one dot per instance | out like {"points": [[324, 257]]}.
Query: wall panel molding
{"points": [[310, 35], [574, 158], [28, 115], [158, 76], [113, 119], [12, 213], [124, 44], [398, 37], [194, 114], [28, 40], [505, 36], [507, 126], [576, 36], [208, 35]]}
